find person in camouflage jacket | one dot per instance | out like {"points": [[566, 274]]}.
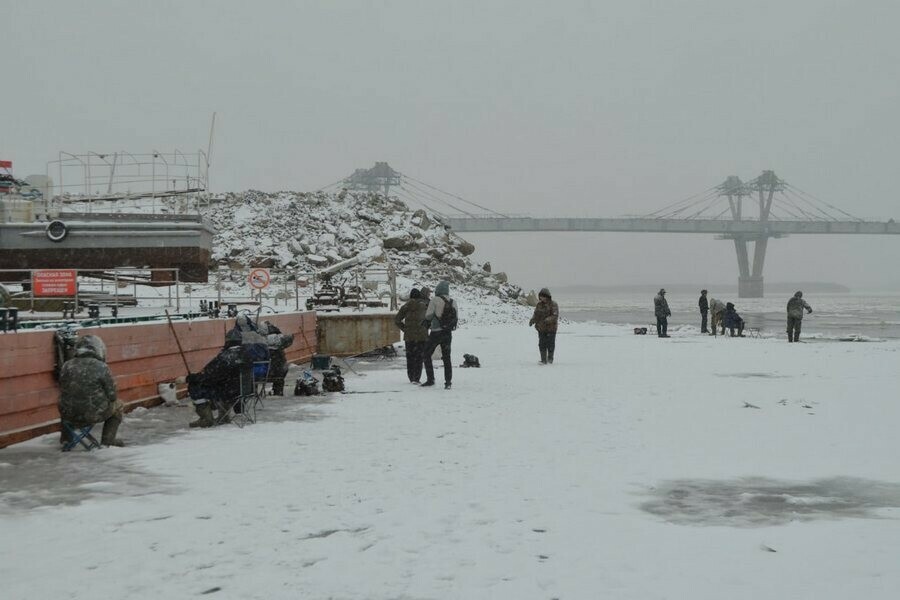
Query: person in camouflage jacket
{"points": [[795, 308], [415, 335], [546, 321], [88, 391]]}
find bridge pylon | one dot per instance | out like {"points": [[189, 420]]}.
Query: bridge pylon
{"points": [[750, 277]]}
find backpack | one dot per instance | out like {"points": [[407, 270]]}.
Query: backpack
{"points": [[448, 318]]}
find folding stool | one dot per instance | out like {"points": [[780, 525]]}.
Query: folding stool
{"points": [[79, 435]]}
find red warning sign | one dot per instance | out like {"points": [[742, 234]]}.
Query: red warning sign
{"points": [[259, 278], [56, 282]]}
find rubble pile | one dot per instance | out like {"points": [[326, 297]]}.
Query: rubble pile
{"points": [[306, 232]]}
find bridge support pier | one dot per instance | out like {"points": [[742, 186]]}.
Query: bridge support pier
{"points": [[750, 286]]}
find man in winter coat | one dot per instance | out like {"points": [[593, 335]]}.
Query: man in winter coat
{"points": [[717, 308], [216, 386], [732, 320], [88, 391], [795, 308], [277, 342], [661, 309], [415, 335], [546, 321], [441, 333], [704, 309]]}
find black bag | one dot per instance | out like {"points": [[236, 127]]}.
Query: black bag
{"points": [[448, 318], [470, 361], [332, 380]]}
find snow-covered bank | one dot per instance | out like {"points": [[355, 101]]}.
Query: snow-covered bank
{"points": [[632, 468]]}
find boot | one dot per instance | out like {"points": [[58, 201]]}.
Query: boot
{"points": [[278, 387], [543, 356], [110, 428], [550, 356], [204, 411]]}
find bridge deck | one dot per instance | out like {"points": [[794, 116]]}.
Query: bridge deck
{"points": [[714, 226]]}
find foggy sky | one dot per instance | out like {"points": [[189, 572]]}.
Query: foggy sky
{"points": [[545, 108]]}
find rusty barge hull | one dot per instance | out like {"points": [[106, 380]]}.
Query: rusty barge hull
{"points": [[109, 242]]}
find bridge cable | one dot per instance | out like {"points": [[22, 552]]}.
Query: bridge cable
{"points": [[815, 207], [674, 204], [706, 198], [709, 204], [455, 196], [323, 188], [439, 199], [416, 198], [846, 214], [788, 200]]}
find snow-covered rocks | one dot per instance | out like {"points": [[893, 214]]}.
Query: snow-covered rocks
{"points": [[305, 232]]}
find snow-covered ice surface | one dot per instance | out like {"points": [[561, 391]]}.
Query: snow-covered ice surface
{"points": [[633, 468]]}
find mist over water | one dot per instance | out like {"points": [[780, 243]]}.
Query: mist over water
{"points": [[852, 316]]}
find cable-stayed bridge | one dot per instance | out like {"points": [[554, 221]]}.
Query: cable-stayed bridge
{"points": [[744, 212]]}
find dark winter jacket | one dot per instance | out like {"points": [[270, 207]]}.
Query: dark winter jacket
{"points": [[661, 307], [436, 305], [546, 313], [219, 381], [732, 318], [795, 307], [87, 389], [410, 317], [704, 304]]}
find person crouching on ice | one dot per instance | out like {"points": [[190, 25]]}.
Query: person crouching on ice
{"points": [[88, 391], [546, 321]]}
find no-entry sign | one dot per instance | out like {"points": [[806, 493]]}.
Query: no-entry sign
{"points": [[56, 282], [259, 278]]}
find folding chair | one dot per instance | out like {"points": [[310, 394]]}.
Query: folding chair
{"points": [[79, 435], [260, 380], [753, 332], [252, 385]]}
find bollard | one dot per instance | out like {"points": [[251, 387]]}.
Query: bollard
{"points": [[12, 319], [3, 320]]}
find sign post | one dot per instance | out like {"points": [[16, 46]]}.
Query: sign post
{"points": [[259, 280]]}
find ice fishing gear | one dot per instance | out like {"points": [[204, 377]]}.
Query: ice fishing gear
{"points": [[640, 331], [332, 380], [470, 361], [306, 385]]}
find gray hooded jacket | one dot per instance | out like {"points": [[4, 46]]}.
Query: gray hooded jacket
{"points": [[436, 305]]}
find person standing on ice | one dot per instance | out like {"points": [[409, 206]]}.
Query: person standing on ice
{"points": [[795, 308], [441, 316], [546, 321], [704, 310], [88, 391], [661, 309], [409, 320]]}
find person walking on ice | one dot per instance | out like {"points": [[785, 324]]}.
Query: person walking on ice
{"points": [[546, 321], [795, 308], [441, 316]]}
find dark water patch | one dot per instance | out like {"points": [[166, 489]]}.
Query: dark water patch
{"points": [[753, 375], [760, 502]]}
